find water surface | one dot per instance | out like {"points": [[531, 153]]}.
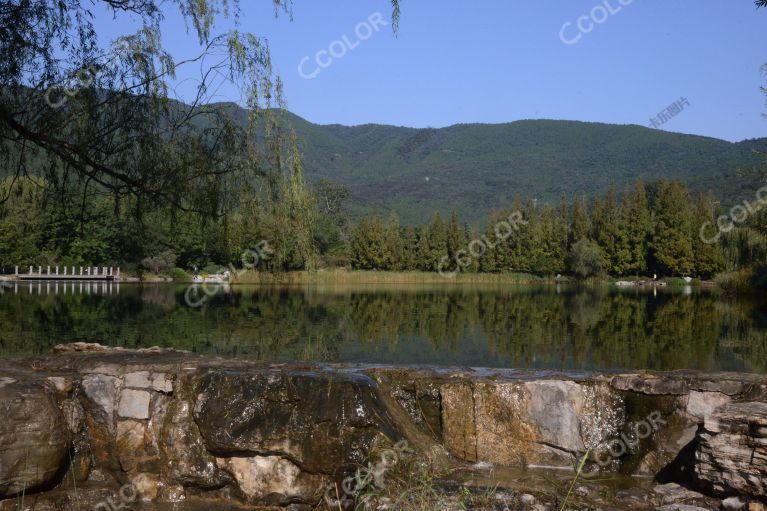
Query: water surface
{"points": [[553, 327]]}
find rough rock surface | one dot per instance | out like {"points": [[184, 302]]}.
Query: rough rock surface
{"points": [[319, 421], [523, 423], [732, 454], [172, 428], [34, 439]]}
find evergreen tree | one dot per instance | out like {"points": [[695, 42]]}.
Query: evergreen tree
{"points": [[359, 245], [598, 222], [473, 266], [488, 263], [610, 232], [437, 243], [368, 245], [614, 234], [517, 243], [410, 249], [501, 238], [551, 257], [455, 237], [580, 226], [423, 254], [530, 240], [638, 221], [563, 227], [671, 243], [20, 219], [393, 245]]}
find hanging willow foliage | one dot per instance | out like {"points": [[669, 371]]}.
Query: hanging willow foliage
{"points": [[106, 116]]}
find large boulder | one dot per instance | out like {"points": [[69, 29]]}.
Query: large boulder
{"points": [[284, 436], [34, 439]]}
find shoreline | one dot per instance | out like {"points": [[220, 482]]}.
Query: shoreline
{"points": [[339, 276]]}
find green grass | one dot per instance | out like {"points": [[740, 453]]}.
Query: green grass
{"points": [[179, 275], [417, 483], [746, 280], [680, 282], [345, 277]]}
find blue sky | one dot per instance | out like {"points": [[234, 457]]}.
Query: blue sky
{"points": [[504, 60]]}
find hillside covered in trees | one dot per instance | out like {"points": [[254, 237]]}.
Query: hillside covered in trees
{"points": [[472, 168]]}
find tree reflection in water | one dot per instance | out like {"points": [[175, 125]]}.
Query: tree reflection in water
{"points": [[494, 326]]}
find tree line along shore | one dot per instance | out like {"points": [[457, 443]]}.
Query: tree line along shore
{"points": [[645, 232]]}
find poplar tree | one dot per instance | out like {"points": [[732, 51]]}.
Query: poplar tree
{"points": [[709, 257]]}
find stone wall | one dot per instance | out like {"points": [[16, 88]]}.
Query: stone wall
{"points": [[176, 428]]}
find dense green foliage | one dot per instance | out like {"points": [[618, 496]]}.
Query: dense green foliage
{"points": [[44, 221], [648, 230], [655, 229], [99, 165]]}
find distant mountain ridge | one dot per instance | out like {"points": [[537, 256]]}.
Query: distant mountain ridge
{"points": [[474, 168]]}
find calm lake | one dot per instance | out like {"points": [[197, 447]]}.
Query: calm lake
{"points": [[551, 327]]}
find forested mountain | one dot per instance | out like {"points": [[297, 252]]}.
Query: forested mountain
{"points": [[473, 168]]}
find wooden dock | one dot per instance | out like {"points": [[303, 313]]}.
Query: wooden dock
{"points": [[70, 273]]}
